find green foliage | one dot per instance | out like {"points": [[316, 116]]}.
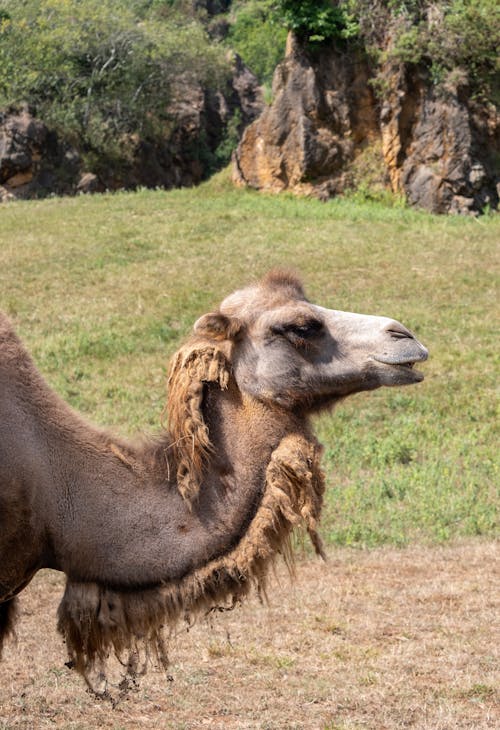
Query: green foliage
{"points": [[462, 32], [317, 21], [230, 140], [405, 7], [468, 35], [407, 46], [213, 160], [444, 36], [96, 71], [259, 28], [368, 178], [258, 35]]}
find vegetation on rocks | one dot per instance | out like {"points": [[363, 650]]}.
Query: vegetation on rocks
{"points": [[461, 37], [143, 92], [258, 35], [97, 72], [315, 21]]}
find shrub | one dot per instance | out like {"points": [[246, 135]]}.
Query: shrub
{"points": [[444, 35], [316, 21], [98, 71], [258, 35]]}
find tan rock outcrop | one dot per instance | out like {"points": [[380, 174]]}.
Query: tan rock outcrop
{"points": [[438, 146], [323, 110]]}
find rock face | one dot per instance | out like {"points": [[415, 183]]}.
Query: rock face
{"points": [[323, 110], [188, 152], [438, 150], [34, 162]]}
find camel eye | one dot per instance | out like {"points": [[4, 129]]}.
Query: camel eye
{"points": [[299, 333], [306, 329]]}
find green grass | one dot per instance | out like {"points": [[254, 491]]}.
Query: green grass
{"points": [[104, 288]]}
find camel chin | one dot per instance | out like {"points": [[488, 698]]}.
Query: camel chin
{"points": [[149, 532], [400, 374]]}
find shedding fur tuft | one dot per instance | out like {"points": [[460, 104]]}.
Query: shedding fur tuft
{"points": [[285, 279], [190, 443], [97, 622]]}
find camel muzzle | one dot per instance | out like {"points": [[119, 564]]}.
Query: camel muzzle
{"points": [[404, 352]]}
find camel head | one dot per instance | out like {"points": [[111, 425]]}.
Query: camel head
{"points": [[284, 350]]}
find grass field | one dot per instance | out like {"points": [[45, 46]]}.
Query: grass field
{"points": [[104, 288]]}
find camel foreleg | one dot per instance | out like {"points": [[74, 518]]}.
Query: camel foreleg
{"points": [[8, 615]]}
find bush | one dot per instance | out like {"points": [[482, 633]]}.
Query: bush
{"points": [[316, 21], [467, 35], [444, 35], [258, 35], [98, 71]]}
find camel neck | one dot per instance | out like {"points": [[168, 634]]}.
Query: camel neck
{"points": [[131, 528], [243, 431]]}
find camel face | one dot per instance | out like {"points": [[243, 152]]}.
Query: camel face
{"points": [[295, 353]]}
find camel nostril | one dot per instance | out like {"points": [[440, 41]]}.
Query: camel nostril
{"points": [[398, 332]]}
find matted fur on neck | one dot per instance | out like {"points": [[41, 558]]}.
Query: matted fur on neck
{"points": [[194, 364], [96, 621]]}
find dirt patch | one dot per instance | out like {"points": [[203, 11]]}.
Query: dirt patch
{"points": [[382, 639]]}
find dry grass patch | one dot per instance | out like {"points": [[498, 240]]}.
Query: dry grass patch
{"points": [[383, 639]]}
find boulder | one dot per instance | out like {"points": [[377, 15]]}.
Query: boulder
{"points": [[89, 183], [33, 162]]}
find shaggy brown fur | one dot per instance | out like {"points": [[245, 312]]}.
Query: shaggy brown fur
{"points": [[95, 620], [191, 368], [152, 532]]}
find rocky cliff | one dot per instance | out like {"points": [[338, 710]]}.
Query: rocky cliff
{"points": [[35, 162], [438, 147], [32, 160]]}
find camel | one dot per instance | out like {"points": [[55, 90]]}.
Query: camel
{"points": [[154, 530]]}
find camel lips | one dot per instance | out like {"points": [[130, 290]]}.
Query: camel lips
{"points": [[407, 365]]}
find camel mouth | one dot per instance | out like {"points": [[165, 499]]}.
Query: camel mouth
{"points": [[417, 376], [405, 367]]}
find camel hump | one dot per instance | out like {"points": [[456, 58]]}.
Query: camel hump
{"points": [[6, 328], [11, 347]]}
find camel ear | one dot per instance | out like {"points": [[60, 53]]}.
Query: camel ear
{"points": [[216, 326], [192, 367]]}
